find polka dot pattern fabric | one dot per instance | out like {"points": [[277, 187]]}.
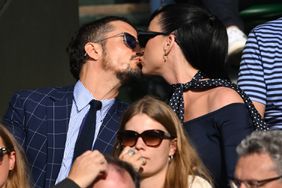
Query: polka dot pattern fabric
{"points": [[200, 82]]}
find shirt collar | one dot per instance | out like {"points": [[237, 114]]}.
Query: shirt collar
{"points": [[82, 96]]}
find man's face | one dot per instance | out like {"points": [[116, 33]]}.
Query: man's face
{"points": [[117, 55], [257, 167], [115, 178]]}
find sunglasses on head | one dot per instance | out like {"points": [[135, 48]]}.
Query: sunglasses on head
{"points": [[152, 138], [145, 36], [3, 151], [129, 40]]}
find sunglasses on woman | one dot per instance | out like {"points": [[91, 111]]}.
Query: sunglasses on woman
{"points": [[3, 151], [129, 40], [145, 36], [152, 138]]}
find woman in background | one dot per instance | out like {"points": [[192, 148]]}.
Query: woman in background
{"points": [[152, 139], [13, 170]]}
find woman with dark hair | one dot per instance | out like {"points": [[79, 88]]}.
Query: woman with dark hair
{"points": [[187, 46]]}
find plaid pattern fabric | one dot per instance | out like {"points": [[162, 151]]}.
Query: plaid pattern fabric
{"points": [[39, 121]]}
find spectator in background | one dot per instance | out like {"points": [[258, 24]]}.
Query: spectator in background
{"points": [[260, 74], [228, 12], [153, 140], [260, 161], [92, 169], [52, 124], [13, 169]]}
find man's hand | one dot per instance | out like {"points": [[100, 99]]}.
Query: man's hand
{"points": [[87, 167]]}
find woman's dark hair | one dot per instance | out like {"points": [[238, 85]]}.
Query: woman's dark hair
{"points": [[200, 35], [92, 31]]}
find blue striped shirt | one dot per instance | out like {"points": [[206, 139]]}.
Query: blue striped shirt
{"points": [[260, 74]]}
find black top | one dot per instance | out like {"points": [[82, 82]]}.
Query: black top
{"points": [[66, 183], [215, 136]]}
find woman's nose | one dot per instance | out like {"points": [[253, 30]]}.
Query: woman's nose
{"points": [[139, 143]]}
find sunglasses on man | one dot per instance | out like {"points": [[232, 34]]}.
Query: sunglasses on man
{"points": [[152, 138], [129, 40], [145, 36]]}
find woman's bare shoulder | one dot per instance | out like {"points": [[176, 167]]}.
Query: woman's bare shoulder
{"points": [[223, 96]]}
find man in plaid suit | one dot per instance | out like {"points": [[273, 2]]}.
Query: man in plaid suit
{"points": [[47, 121]]}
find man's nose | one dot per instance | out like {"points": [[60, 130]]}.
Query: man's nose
{"points": [[139, 50]]}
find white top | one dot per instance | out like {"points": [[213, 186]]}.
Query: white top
{"points": [[198, 182]]}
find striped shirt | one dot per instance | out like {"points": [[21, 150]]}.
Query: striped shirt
{"points": [[260, 74]]}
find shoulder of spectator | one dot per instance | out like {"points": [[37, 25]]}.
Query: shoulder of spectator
{"points": [[66, 183]]}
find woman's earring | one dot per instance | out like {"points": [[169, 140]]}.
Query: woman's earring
{"points": [[170, 158], [165, 57]]}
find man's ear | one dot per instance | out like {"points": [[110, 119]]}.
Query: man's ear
{"points": [[93, 50]]}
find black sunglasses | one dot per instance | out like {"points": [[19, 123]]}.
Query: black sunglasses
{"points": [[152, 138], [145, 36], [235, 183], [3, 151], [129, 40]]}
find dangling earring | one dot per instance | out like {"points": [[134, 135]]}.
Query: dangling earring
{"points": [[170, 158], [165, 56]]}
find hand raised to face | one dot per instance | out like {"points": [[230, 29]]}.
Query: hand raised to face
{"points": [[133, 157], [87, 167]]}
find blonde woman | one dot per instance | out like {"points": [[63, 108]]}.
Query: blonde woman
{"points": [[13, 170], [152, 139]]}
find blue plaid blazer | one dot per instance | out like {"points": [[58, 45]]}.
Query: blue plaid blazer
{"points": [[39, 120]]}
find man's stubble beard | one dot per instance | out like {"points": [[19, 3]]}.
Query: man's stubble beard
{"points": [[122, 75]]}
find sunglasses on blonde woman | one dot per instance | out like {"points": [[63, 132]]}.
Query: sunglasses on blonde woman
{"points": [[3, 151], [129, 40], [152, 138]]}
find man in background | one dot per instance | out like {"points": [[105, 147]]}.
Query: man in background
{"points": [[260, 74], [260, 161]]}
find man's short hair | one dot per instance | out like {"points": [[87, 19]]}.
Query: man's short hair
{"points": [[92, 31], [122, 166], [260, 142]]}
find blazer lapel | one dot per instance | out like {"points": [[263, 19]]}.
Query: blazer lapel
{"points": [[107, 134], [58, 115]]}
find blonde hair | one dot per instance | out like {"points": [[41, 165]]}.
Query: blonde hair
{"points": [[19, 176], [185, 160]]}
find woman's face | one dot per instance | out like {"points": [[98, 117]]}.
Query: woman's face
{"points": [[6, 164], [156, 157], [153, 58]]}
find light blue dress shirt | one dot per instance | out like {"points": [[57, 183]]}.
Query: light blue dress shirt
{"points": [[80, 107]]}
